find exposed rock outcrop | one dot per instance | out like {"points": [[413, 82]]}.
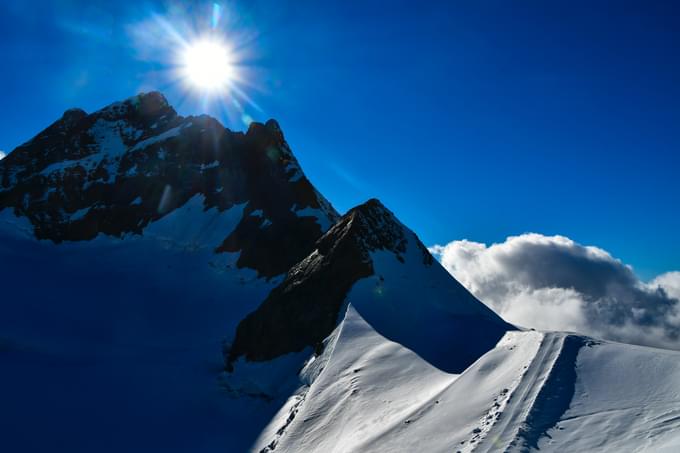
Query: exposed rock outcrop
{"points": [[304, 308], [118, 169]]}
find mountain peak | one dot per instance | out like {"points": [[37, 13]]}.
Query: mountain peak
{"points": [[272, 124], [304, 308], [372, 210], [72, 116], [370, 204], [143, 106], [122, 167], [373, 227], [268, 132]]}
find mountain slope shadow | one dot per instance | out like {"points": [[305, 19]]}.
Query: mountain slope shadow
{"points": [[371, 260]]}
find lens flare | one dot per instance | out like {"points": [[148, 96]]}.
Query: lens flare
{"points": [[204, 55], [207, 65]]}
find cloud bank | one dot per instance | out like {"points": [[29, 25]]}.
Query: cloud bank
{"points": [[2, 154], [554, 283]]}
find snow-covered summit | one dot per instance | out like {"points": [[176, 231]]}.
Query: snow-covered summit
{"points": [[134, 240], [119, 169], [368, 258], [142, 251], [534, 391]]}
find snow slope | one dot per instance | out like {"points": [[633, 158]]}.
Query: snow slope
{"points": [[626, 398], [380, 266], [115, 345], [534, 390], [423, 309], [169, 285], [122, 276], [372, 394]]}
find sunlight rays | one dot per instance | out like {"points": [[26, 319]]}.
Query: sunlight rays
{"points": [[207, 65], [202, 57]]}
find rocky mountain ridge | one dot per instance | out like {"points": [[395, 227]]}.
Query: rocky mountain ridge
{"points": [[116, 170], [170, 249]]}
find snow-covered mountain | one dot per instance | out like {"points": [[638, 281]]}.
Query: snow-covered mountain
{"points": [[171, 285], [117, 170], [132, 242], [371, 260], [534, 391]]}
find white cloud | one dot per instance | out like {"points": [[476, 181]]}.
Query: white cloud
{"points": [[554, 283], [670, 282], [2, 154]]}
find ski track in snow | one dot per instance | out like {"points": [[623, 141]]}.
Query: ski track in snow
{"points": [[373, 395], [539, 399], [379, 385]]}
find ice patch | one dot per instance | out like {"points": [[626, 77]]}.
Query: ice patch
{"points": [[170, 133], [79, 214], [320, 216], [110, 148], [192, 227]]}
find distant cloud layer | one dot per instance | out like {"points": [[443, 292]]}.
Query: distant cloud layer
{"points": [[2, 154], [554, 283]]}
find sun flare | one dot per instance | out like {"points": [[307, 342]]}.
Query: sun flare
{"points": [[207, 65]]}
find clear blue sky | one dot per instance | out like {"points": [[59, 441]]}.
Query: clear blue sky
{"points": [[475, 120]]}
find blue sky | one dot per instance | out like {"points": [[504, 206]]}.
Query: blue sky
{"points": [[474, 120]]}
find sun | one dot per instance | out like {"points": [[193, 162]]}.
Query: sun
{"points": [[208, 65]]}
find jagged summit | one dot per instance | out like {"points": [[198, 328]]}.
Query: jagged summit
{"points": [[71, 117], [365, 255], [75, 135], [119, 169], [149, 105], [374, 227], [304, 308], [144, 251]]}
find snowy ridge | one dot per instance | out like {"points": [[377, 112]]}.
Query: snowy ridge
{"points": [[135, 250], [345, 390], [525, 416], [313, 367], [188, 286], [411, 299], [626, 398], [546, 391], [371, 260], [120, 169]]}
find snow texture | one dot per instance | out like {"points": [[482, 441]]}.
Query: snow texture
{"points": [[534, 390], [125, 335]]}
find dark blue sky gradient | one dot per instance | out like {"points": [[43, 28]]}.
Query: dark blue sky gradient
{"points": [[472, 120]]}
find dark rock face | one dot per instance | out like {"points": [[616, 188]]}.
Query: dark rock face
{"points": [[118, 169], [267, 174], [303, 310]]}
